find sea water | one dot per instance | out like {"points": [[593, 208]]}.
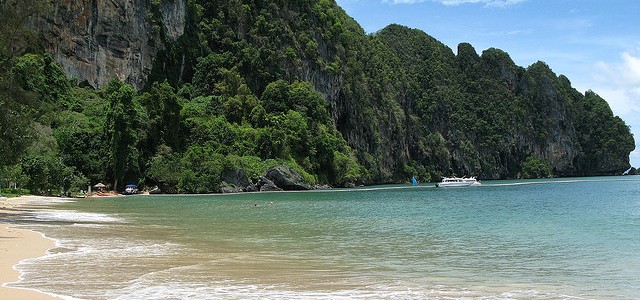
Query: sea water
{"points": [[543, 239]]}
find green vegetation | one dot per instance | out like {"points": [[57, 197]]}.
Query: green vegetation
{"points": [[159, 137], [255, 84], [534, 167]]}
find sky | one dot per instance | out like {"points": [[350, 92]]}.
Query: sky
{"points": [[595, 43]]}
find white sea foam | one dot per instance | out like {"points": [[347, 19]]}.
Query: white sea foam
{"points": [[557, 181], [237, 290], [86, 262], [104, 250], [84, 225], [37, 200], [72, 216], [184, 283]]}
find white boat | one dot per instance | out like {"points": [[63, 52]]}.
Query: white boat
{"points": [[458, 182]]}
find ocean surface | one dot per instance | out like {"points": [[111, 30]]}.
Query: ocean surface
{"points": [[539, 239]]}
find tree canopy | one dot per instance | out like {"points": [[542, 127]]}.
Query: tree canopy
{"points": [[254, 84]]}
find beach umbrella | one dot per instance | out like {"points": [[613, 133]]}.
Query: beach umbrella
{"points": [[100, 185]]}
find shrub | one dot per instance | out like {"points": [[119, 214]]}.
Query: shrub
{"points": [[534, 167]]}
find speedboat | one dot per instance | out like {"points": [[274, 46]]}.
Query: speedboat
{"points": [[458, 182]]}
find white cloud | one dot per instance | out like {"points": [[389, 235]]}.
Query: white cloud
{"points": [[631, 69], [624, 74], [402, 1], [619, 83], [634, 156], [623, 102], [512, 32], [498, 3]]}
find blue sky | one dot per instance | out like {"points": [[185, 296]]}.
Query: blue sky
{"points": [[595, 43]]}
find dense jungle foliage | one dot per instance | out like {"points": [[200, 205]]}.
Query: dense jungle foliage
{"points": [[254, 84]]}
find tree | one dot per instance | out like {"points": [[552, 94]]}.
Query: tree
{"points": [[296, 128], [210, 70], [12, 175], [37, 171], [534, 167], [163, 125], [120, 131], [275, 97], [81, 142], [165, 169], [41, 75], [303, 98], [16, 103], [346, 168], [15, 34], [271, 143], [201, 172], [15, 120]]}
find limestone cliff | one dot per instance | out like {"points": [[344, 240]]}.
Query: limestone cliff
{"points": [[485, 115], [97, 40], [404, 102]]}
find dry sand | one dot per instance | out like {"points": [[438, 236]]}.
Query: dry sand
{"points": [[15, 245]]}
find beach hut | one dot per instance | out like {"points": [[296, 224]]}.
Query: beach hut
{"points": [[100, 186]]}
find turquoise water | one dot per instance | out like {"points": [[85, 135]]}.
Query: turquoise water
{"points": [[549, 239]]}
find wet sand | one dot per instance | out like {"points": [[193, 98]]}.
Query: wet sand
{"points": [[17, 244]]}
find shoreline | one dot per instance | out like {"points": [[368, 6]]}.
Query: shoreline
{"points": [[17, 244]]}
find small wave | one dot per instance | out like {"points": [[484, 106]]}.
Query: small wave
{"points": [[85, 225], [101, 250], [38, 200], [195, 282], [237, 290], [559, 181], [72, 216], [86, 266]]}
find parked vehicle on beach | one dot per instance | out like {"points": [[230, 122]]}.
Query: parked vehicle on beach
{"points": [[130, 189]]}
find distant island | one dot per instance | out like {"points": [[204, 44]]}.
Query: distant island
{"points": [[193, 96]]}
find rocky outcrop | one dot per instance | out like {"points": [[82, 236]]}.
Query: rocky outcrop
{"points": [[279, 178], [174, 15], [266, 185], [286, 178], [235, 182], [227, 188], [98, 40]]}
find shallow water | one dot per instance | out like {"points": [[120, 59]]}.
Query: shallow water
{"points": [[548, 239]]}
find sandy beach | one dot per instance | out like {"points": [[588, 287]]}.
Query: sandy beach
{"points": [[15, 245]]}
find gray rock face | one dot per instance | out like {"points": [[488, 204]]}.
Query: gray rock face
{"points": [[280, 178], [227, 188], [286, 178], [98, 40], [236, 182], [266, 185], [237, 177], [174, 14]]}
